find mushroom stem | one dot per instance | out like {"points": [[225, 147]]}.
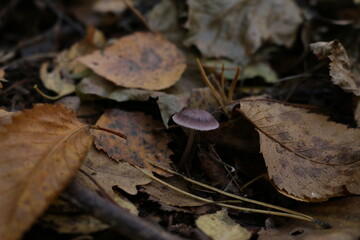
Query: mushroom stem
{"points": [[187, 152]]}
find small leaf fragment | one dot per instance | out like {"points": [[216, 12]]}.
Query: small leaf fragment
{"points": [[113, 6], [219, 226], [40, 152], [140, 60]]}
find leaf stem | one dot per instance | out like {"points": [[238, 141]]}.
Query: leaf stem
{"points": [[45, 95], [117, 133]]}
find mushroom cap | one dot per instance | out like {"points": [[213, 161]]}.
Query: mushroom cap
{"points": [[196, 119]]}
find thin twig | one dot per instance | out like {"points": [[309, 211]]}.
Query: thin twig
{"points": [[53, 98]]}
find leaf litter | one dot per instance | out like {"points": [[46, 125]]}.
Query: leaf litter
{"points": [[308, 157]]}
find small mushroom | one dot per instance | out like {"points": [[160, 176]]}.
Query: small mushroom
{"points": [[195, 120]]}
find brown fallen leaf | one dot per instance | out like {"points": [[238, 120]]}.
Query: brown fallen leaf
{"points": [[343, 214], [143, 145], [109, 173], [140, 60], [308, 157], [40, 151]]}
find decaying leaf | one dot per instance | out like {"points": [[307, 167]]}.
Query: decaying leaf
{"points": [[343, 71], [343, 214], [236, 29], [109, 173], [219, 226], [308, 157], [40, 151], [139, 60], [143, 145], [162, 194], [67, 68]]}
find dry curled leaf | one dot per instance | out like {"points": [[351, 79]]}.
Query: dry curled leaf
{"points": [[343, 71], [143, 145], [40, 151], [308, 157], [236, 29], [140, 60]]}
